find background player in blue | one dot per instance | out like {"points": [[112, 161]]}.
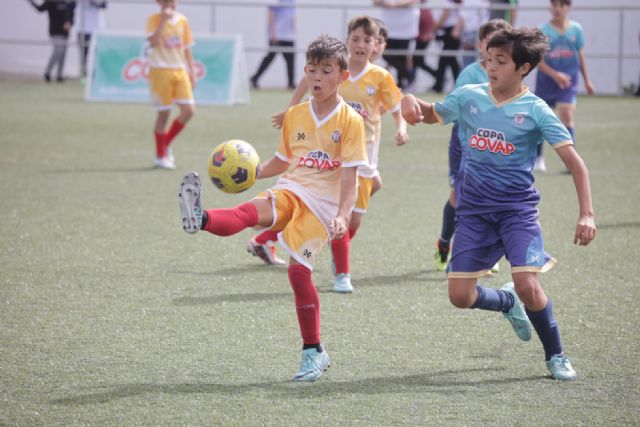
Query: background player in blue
{"points": [[501, 123], [557, 78], [472, 74]]}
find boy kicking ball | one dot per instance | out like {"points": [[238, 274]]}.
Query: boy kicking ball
{"points": [[322, 145], [501, 124]]}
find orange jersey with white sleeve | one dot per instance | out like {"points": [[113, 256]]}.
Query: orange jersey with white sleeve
{"points": [[316, 151], [176, 36], [369, 92]]}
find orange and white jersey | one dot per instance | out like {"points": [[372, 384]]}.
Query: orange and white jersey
{"points": [[369, 92], [175, 38], [316, 151]]}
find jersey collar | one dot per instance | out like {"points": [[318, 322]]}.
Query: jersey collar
{"points": [[320, 123], [506, 101]]}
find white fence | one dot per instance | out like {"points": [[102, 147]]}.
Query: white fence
{"points": [[611, 33]]}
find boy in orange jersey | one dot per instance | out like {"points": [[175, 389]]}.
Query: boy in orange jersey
{"points": [[171, 76], [322, 144], [369, 89]]}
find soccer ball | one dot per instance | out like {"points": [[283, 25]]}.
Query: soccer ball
{"points": [[234, 166]]}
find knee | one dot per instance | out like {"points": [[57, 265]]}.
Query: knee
{"points": [[187, 114], [461, 300], [530, 292]]}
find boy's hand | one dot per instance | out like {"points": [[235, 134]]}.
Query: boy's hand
{"points": [[402, 137], [589, 86], [338, 227], [410, 109], [562, 79], [277, 119], [585, 230]]}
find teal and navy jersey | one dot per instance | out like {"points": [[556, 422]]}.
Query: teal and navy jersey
{"points": [[472, 74], [499, 143], [564, 48]]}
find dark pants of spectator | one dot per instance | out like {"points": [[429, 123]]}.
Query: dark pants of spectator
{"points": [[266, 61], [57, 57], [420, 58], [84, 42], [452, 44], [399, 61]]}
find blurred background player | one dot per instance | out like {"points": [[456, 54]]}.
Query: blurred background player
{"points": [[448, 30], [312, 199], [91, 21], [557, 78], [282, 34], [370, 90], [171, 76], [475, 73], [61, 14], [501, 123]]}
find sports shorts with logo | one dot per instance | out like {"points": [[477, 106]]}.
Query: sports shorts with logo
{"points": [[364, 194], [301, 233], [482, 239], [168, 86]]}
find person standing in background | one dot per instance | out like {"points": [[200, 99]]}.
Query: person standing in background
{"points": [[282, 33], [508, 15], [91, 21], [448, 32], [473, 14], [401, 18], [60, 22], [425, 35]]}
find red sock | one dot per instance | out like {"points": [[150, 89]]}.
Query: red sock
{"points": [[307, 303], [266, 236], [174, 130], [225, 222], [161, 144], [340, 251]]}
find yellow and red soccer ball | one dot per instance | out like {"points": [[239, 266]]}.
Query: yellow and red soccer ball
{"points": [[233, 166]]}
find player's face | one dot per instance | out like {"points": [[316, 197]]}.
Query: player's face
{"points": [[502, 72], [360, 46], [167, 4], [324, 77], [559, 11], [378, 49]]}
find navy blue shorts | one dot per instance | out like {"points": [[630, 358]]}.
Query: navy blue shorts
{"points": [[550, 92], [481, 240]]}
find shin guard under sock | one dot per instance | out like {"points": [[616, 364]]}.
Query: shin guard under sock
{"points": [[225, 222]]}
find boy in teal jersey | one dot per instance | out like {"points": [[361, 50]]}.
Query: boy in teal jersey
{"points": [[472, 74], [557, 78], [501, 124]]}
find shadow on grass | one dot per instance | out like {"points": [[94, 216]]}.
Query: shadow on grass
{"points": [[448, 382], [391, 280], [102, 170]]}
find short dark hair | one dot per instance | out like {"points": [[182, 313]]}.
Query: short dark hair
{"points": [[562, 2], [326, 48], [527, 45], [382, 29], [491, 27], [367, 23]]}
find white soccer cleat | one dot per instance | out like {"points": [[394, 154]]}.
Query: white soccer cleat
{"points": [[539, 165], [190, 208], [164, 163]]}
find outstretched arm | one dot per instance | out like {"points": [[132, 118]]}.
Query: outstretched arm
{"points": [[402, 137], [583, 70], [272, 167], [415, 110], [296, 98], [586, 228], [39, 8]]}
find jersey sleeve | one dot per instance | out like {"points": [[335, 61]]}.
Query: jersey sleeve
{"points": [[465, 77], [284, 152], [152, 24], [391, 94], [187, 35], [448, 110], [353, 145], [579, 37], [552, 129]]}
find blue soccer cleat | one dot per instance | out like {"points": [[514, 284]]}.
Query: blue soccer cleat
{"points": [[190, 208], [313, 365], [560, 368], [517, 315]]}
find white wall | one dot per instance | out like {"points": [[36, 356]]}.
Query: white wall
{"points": [[24, 39]]}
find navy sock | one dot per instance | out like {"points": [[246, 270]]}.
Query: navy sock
{"points": [[493, 299], [448, 223], [316, 346], [539, 149], [572, 131], [547, 329]]}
